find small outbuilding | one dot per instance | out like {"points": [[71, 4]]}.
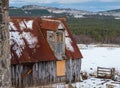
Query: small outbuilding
{"points": [[43, 51]]}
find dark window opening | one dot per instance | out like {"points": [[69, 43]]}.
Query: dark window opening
{"points": [[59, 36]]}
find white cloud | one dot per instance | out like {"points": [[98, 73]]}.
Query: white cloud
{"points": [[59, 1]]}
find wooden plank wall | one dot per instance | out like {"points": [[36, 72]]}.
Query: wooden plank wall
{"points": [[73, 70], [43, 73]]}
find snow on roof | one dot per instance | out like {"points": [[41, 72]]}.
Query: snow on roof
{"points": [[72, 50], [61, 26], [20, 38], [11, 26], [68, 44], [28, 40], [29, 24], [66, 33], [22, 25], [26, 24]]}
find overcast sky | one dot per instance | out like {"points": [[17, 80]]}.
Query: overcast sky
{"points": [[89, 5]]}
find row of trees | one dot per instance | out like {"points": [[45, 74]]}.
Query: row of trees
{"points": [[89, 30]]}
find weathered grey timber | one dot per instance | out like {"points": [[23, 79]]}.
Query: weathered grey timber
{"points": [[44, 73], [4, 46], [57, 44]]}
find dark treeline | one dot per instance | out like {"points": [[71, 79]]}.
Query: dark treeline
{"points": [[21, 12], [95, 30], [33, 12]]}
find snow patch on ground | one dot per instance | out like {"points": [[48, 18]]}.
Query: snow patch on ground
{"points": [[89, 83], [100, 56], [97, 83]]}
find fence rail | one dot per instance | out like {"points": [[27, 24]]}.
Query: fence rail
{"points": [[105, 72]]}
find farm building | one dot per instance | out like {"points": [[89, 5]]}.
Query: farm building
{"points": [[43, 51]]}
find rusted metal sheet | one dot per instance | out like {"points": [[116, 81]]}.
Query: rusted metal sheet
{"points": [[72, 50], [49, 24], [28, 40]]}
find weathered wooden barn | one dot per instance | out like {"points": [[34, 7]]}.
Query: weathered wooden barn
{"points": [[43, 51]]}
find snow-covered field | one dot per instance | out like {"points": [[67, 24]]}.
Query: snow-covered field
{"points": [[94, 56]]}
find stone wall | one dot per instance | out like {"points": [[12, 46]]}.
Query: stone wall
{"points": [[4, 46]]}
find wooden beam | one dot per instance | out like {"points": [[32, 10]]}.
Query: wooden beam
{"points": [[27, 73]]}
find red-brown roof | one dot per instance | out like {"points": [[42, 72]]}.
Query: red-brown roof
{"points": [[76, 54], [49, 24], [29, 44]]}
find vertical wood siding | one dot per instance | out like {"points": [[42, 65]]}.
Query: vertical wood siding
{"points": [[44, 73]]}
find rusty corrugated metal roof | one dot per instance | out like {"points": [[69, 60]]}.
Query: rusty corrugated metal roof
{"points": [[49, 24], [75, 52], [28, 40]]}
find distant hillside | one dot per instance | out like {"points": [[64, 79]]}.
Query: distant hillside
{"points": [[22, 12], [87, 27], [115, 13], [13, 11], [34, 10], [116, 10]]}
